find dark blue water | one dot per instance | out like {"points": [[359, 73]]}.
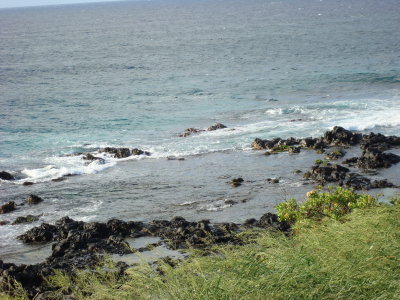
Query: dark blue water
{"points": [[73, 78]]}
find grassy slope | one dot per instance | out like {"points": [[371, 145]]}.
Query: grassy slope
{"points": [[357, 259]]}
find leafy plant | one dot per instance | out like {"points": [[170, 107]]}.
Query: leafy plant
{"points": [[332, 204]]}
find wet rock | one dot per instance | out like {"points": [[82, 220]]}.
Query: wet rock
{"points": [[26, 183], [379, 141], [294, 150], [328, 173], [137, 151], [320, 144], [273, 180], [382, 183], [27, 219], [2, 223], [58, 179], [339, 136], [372, 158], [308, 142], [236, 182], [8, 207], [216, 127], [335, 154], [33, 199], [91, 157], [117, 152], [43, 233], [229, 202], [189, 131], [350, 161], [260, 144], [356, 181], [6, 176]]}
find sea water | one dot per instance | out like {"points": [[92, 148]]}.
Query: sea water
{"points": [[76, 78]]}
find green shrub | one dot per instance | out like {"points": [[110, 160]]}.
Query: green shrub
{"points": [[333, 204]]}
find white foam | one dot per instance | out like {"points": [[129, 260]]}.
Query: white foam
{"points": [[65, 166]]}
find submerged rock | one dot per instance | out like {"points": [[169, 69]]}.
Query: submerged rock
{"points": [[6, 176], [8, 207], [236, 182], [27, 219]]}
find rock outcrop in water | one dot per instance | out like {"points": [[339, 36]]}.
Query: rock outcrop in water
{"points": [[189, 131], [33, 199], [6, 176], [373, 156], [8, 207], [124, 152]]}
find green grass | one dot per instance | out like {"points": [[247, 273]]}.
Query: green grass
{"points": [[356, 257]]}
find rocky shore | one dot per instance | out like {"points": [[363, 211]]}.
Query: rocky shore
{"points": [[78, 244]]}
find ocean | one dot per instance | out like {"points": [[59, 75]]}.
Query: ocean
{"points": [[75, 78]]}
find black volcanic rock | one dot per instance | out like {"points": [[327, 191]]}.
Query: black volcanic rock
{"points": [[8, 207], [6, 176], [33, 199], [339, 136]]}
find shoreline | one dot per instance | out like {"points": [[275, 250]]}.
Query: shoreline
{"points": [[78, 244]]}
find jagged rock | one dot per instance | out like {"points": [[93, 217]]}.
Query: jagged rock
{"points": [[43, 233], [216, 126], [379, 141], [308, 142], [339, 136], [383, 183], [189, 131], [372, 158], [33, 199], [91, 157], [137, 151], [6, 176], [350, 161], [260, 144], [356, 181], [8, 207], [118, 152], [328, 173]]}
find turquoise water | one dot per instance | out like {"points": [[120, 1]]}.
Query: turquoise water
{"points": [[74, 78]]}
